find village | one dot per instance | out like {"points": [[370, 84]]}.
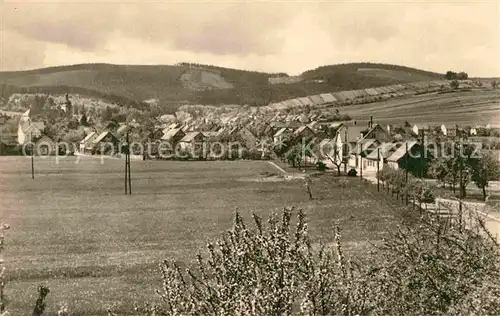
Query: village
{"points": [[336, 141]]}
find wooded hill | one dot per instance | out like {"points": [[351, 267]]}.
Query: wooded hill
{"points": [[200, 84]]}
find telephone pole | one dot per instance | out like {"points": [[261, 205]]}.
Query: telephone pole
{"points": [[406, 173], [128, 182], [378, 169], [344, 152], [32, 145], [128, 177]]}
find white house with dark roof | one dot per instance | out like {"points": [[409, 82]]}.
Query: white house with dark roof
{"points": [[303, 131], [415, 160], [192, 141], [84, 143], [28, 130], [376, 159], [173, 135]]}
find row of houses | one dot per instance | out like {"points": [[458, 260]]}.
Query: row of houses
{"points": [[451, 131], [364, 148]]}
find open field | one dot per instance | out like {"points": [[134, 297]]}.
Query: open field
{"points": [[74, 230], [465, 107]]}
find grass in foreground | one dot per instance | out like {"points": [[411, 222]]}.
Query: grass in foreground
{"points": [[75, 231]]}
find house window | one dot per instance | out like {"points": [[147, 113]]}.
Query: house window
{"points": [[44, 150]]}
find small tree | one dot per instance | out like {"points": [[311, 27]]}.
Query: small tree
{"points": [[462, 76], [454, 84], [485, 169], [450, 75]]}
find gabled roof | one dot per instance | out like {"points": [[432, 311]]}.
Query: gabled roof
{"points": [[101, 136], [34, 126], [386, 149], [171, 133], [336, 125], [39, 125], [362, 146], [401, 151], [281, 131], [87, 138], [121, 129], [44, 138], [189, 137], [301, 129], [354, 133], [210, 134]]}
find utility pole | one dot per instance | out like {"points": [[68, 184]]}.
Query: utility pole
{"points": [[421, 171], [344, 152], [128, 182], [378, 169], [32, 145], [406, 173], [361, 166]]}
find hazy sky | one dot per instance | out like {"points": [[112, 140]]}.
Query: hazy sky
{"points": [[273, 36]]}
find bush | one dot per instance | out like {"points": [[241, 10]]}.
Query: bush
{"points": [[321, 166], [352, 173], [432, 269]]}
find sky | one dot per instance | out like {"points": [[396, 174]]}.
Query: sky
{"points": [[272, 36]]}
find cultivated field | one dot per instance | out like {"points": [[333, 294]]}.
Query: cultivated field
{"points": [[74, 230], [466, 108]]}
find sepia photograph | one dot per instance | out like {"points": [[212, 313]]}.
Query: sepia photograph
{"points": [[249, 158]]}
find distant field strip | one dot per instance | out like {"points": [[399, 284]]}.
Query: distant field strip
{"points": [[460, 107]]}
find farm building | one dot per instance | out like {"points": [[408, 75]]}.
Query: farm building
{"points": [[411, 160], [84, 143], [360, 150], [193, 142], [376, 159], [105, 144], [304, 132], [244, 134], [173, 136]]}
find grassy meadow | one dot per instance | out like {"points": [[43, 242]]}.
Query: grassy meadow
{"points": [[74, 230]]}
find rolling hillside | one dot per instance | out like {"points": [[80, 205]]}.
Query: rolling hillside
{"points": [[204, 84], [464, 108]]}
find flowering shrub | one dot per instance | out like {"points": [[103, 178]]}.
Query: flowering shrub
{"points": [[267, 271], [416, 189], [432, 268]]}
